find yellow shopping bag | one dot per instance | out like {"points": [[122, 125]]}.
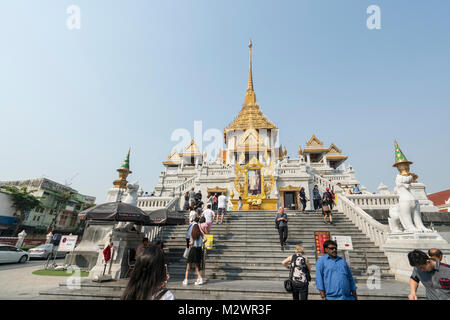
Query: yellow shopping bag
{"points": [[209, 242]]}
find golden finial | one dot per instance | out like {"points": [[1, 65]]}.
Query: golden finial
{"points": [[250, 97]]}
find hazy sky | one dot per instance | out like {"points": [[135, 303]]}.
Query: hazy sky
{"points": [[74, 101]]}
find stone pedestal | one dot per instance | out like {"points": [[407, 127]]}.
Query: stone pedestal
{"points": [[123, 242], [398, 245], [418, 190]]}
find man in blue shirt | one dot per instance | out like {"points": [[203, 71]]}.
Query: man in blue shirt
{"points": [[334, 279]]}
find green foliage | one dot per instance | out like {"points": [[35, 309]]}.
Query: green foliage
{"points": [[61, 273], [22, 199]]}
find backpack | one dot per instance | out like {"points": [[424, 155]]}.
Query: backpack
{"points": [[299, 271]]}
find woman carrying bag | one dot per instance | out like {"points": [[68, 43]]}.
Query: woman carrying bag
{"points": [[300, 274], [195, 256]]}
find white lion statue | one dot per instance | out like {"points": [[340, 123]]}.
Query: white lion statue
{"points": [[405, 216], [132, 194]]}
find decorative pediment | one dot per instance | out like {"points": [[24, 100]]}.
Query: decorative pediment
{"points": [[300, 152], [174, 156], [334, 149], [314, 142], [250, 138], [191, 149]]}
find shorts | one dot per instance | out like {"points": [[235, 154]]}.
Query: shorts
{"points": [[222, 211]]}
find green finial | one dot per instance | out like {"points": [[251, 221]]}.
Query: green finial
{"points": [[126, 163], [399, 156]]}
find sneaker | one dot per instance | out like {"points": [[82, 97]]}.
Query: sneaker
{"points": [[185, 282], [325, 222], [199, 282]]}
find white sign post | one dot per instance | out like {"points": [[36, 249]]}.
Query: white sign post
{"points": [[344, 243], [67, 243]]}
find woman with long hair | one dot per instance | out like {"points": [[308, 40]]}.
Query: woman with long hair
{"points": [[149, 277], [195, 254]]}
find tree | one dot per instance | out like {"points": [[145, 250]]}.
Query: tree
{"points": [[63, 199], [23, 201]]}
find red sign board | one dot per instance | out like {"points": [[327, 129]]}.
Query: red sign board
{"points": [[319, 238]]}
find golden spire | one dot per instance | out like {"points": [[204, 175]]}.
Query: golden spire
{"points": [[250, 97]]}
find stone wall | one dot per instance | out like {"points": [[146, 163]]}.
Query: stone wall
{"points": [[438, 218]]}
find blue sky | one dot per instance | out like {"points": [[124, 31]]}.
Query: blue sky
{"points": [[74, 101]]}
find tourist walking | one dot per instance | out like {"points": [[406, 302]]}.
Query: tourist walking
{"points": [[303, 199], [199, 207], [222, 208], [317, 199], [189, 231], [240, 204], [186, 201], [334, 280], [209, 215], [300, 274], [326, 206], [149, 277], [215, 202], [195, 254], [198, 196], [434, 275], [333, 197], [356, 190], [191, 197], [282, 221], [192, 214]]}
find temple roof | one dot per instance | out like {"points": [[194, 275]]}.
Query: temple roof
{"points": [[250, 115], [191, 149]]}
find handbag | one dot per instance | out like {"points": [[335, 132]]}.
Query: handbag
{"points": [[288, 285], [186, 253]]}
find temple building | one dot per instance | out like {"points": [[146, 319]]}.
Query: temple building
{"points": [[252, 165]]}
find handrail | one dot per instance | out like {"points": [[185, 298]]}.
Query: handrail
{"points": [[376, 231], [185, 185]]}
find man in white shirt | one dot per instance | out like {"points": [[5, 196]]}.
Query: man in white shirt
{"points": [[209, 218], [222, 207]]}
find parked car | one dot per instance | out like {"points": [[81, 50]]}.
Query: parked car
{"points": [[44, 251], [10, 253]]}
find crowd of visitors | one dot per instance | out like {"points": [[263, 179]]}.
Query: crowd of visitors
{"points": [[333, 277]]}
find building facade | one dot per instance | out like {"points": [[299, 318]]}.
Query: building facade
{"points": [[64, 216]]}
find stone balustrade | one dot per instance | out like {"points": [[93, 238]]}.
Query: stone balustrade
{"points": [[152, 203], [376, 231], [373, 201], [185, 186]]}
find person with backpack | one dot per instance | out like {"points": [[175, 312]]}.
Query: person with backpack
{"points": [[281, 223], [149, 277], [300, 274]]}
